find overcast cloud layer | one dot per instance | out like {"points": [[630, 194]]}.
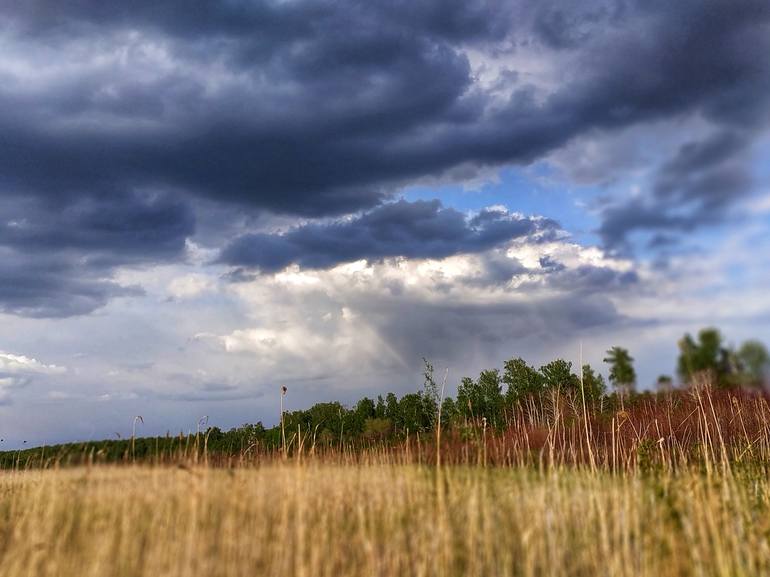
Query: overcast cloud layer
{"points": [[199, 199]]}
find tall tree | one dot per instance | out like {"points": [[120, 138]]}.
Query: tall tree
{"points": [[449, 412], [491, 391], [430, 392], [593, 384], [365, 410], [522, 380], [558, 376], [755, 362], [411, 413], [482, 398], [622, 373], [664, 383], [380, 408], [391, 408], [466, 394], [706, 356]]}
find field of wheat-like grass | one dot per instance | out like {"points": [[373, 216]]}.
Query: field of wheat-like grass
{"points": [[322, 520]]}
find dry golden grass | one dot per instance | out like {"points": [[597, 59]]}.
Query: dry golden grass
{"points": [[322, 520], [678, 486]]}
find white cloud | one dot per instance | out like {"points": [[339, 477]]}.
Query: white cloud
{"points": [[191, 286], [18, 370], [11, 364], [364, 322], [761, 204]]}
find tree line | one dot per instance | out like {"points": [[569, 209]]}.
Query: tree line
{"points": [[486, 401]]}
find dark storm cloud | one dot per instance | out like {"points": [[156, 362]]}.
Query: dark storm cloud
{"points": [[309, 120], [451, 19], [57, 258], [46, 286], [591, 279], [697, 186], [307, 131], [440, 331], [662, 58], [323, 109], [422, 229], [119, 229]]}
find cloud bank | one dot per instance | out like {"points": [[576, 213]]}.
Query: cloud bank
{"points": [[199, 198], [118, 123]]}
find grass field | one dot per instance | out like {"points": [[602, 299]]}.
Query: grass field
{"points": [[672, 485], [329, 520]]}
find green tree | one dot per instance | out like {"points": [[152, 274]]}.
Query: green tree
{"points": [[449, 412], [522, 380], [482, 398], [326, 417], [593, 384], [664, 383], [491, 395], [706, 356], [755, 362], [466, 393], [558, 376], [430, 392], [622, 373], [411, 413], [365, 408], [391, 408], [295, 421], [380, 407]]}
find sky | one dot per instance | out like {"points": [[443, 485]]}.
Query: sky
{"points": [[201, 202]]}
